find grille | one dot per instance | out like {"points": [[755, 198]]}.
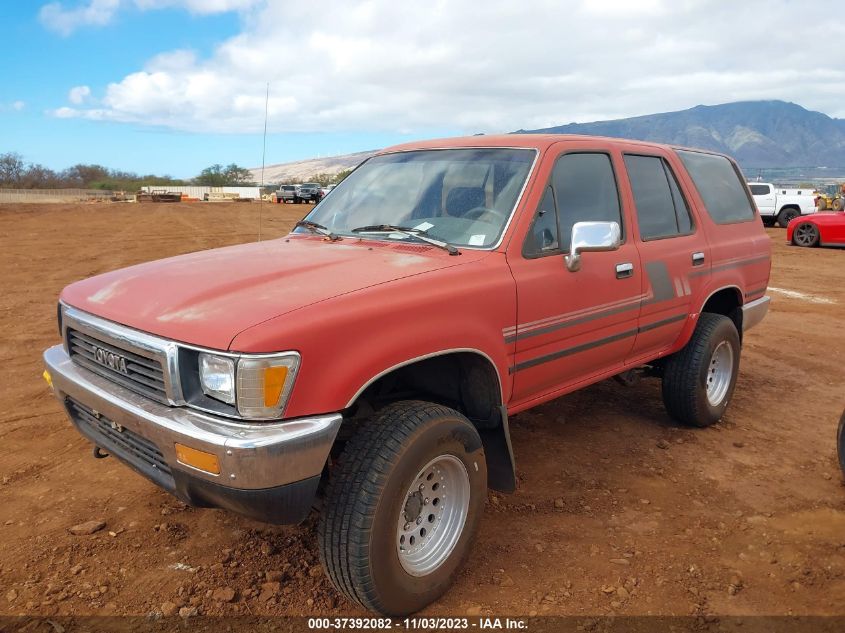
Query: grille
{"points": [[143, 374], [127, 445]]}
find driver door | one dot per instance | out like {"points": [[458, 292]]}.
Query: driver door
{"points": [[572, 326]]}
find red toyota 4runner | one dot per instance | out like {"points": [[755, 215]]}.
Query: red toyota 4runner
{"points": [[381, 346]]}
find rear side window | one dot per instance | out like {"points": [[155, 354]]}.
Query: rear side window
{"points": [[719, 186], [760, 190], [661, 209], [585, 190]]}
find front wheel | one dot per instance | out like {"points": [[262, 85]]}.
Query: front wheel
{"points": [[786, 216], [699, 380], [402, 507], [806, 234]]}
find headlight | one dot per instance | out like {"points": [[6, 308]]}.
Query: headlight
{"points": [[217, 377], [258, 386], [264, 384]]}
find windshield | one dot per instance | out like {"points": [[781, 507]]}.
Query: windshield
{"points": [[461, 196]]}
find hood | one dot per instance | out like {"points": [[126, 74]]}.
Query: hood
{"points": [[207, 298]]}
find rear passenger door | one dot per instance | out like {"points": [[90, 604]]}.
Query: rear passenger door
{"points": [[764, 198], [671, 249]]}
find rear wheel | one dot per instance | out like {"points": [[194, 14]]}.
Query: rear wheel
{"points": [[786, 216], [699, 380], [836, 205], [806, 234], [402, 507]]}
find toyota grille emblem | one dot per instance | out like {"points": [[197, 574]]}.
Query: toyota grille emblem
{"points": [[110, 360]]}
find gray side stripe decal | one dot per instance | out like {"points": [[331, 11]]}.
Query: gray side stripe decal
{"points": [[584, 319], [597, 343], [736, 264]]}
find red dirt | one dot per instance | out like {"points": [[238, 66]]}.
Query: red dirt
{"points": [[747, 517]]}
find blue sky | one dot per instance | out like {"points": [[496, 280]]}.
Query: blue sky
{"points": [[41, 66], [172, 86]]}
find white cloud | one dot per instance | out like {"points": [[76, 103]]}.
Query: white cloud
{"points": [[199, 7], [18, 105], [65, 21], [101, 12], [496, 66], [79, 94]]}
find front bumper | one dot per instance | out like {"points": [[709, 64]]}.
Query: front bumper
{"points": [[268, 471], [754, 311]]}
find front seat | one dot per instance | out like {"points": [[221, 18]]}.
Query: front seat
{"points": [[459, 200]]}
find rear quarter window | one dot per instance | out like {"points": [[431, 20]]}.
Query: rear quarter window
{"points": [[720, 186], [759, 190]]}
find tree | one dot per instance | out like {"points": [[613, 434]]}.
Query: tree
{"points": [[341, 175], [236, 175], [211, 176], [11, 169], [84, 176], [218, 176]]}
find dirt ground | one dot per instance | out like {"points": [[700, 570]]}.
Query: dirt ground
{"points": [[618, 511]]}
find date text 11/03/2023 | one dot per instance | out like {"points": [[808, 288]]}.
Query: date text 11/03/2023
{"points": [[481, 623]]}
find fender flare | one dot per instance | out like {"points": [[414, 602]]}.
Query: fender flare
{"points": [[498, 450]]}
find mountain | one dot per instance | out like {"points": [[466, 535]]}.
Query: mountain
{"points": [[302, 170], [759, 134]]}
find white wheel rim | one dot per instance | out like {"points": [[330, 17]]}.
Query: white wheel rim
{"points": [[432, 516], [719, 373]]}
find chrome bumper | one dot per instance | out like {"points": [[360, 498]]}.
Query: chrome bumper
{"points": [[251, 456], [753, 312]]}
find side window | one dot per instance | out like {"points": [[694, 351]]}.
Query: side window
{"points": [[544, 234], [585, 190], [661, 209], [720, 186], [681, 208], [760, 190]]}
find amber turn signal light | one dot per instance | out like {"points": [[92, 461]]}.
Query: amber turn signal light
{"points": [[274, 382], [207, 462]]}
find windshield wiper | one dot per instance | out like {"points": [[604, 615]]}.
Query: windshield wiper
{"points": [[317, 228], [411, 232]]}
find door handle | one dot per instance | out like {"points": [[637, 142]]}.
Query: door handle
{"points": [[625, 270], [697, 258]]}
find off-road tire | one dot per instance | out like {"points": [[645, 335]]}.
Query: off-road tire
{"points": [[685, 373], [836, 205], [367, 491], [786, 216]]}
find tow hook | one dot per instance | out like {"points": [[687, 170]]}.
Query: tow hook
{"points": [[99, 453]]}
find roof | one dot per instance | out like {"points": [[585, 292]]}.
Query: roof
{"points": [[529, 141]]}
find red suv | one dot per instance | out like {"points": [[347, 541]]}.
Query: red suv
{"points": [[382, 346]]}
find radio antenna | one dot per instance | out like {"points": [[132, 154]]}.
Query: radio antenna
{"points": [[263, 156]]}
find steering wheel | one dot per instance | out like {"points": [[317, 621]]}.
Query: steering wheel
{"points": [[479, 212]]}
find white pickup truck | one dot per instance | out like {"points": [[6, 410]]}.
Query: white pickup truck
{"points": [[782, 205]]}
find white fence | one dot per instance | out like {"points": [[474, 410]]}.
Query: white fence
{"points": [[192, 191], [53, 195]]}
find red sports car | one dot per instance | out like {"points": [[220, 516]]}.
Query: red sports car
{"points": [[819, 229]]}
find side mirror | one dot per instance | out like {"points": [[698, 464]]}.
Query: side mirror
{"points": [[591, 236]]}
